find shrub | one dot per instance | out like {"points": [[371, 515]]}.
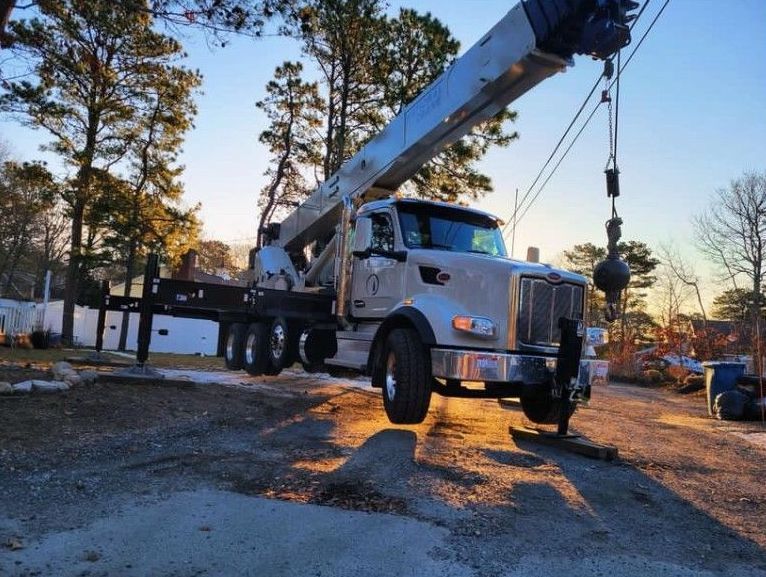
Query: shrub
{"points": [[651, 377], [696, 380], [676, 373]]}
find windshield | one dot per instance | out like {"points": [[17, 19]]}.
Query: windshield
{"points": [[442, 228]]}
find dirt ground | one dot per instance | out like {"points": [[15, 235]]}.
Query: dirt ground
{"points": [[687, 493]]}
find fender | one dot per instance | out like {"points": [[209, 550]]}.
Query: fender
{"points": [[416, 318], [404, 315]]}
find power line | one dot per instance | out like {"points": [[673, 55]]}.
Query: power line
{"points": [[515, 218], [552, 154]]}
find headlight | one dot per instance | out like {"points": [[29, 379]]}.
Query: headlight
{"points": [[478, 326]]}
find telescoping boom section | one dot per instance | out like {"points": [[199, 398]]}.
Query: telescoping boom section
{"points": [[533, 41]]}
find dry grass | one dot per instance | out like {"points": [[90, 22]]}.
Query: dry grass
{"points": [[167, 360]]}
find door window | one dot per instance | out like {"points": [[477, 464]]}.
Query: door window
{"points": [[382, 233]]}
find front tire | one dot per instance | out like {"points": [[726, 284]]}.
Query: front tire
{"points": [[235, 347], [404, 373], [544, 409]]}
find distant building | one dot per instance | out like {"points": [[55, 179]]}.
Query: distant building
{"points": [[187, 271], [737, 338]]}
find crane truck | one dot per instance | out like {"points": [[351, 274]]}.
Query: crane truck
{"points": [[421, 296]]}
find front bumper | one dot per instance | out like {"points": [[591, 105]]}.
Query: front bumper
{"points": [[491, 367]]}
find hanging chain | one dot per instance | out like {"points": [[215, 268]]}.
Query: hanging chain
{"points": [[614, 273], [606, 96]]}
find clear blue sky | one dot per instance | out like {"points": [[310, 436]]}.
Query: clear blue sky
{"points": [[693, 116]]}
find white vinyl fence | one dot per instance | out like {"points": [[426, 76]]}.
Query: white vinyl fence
{"points": [[17, 317], [185, 336]]}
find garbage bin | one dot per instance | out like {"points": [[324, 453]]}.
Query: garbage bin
{"points": [[720, 377]]}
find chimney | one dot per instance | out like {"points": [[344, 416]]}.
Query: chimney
{"points": [[533, 254], [188, 266]]}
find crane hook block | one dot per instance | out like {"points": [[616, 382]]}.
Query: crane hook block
{"points": [[613, 274], [612, 182]]}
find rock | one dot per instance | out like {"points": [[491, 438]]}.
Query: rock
{"points": [[60, 369], [92, 556], [49, 386], [73, 379], [88, 377], [14, 544], [23, 387], [6, 388]]}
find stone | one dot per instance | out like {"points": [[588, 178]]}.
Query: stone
{"points": [[6, 388], [88, 377], [73, 379], [49, 386], [23, 387], [60, 369]]}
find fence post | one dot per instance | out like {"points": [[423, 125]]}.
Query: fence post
{"points": [[101, 324]]}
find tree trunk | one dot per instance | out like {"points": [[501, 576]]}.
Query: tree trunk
{"points": [[756, 325], [6, 7], [130, 264], [73, 273]]}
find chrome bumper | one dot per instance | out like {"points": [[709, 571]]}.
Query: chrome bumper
{"points": [[491, 367]]}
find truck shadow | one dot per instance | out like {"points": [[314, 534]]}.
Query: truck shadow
{"points": [[438, 472], [535, 500]]}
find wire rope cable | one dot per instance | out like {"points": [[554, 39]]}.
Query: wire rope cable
{"points": [[516, 218]]}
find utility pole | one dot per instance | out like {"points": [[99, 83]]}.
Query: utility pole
{"points": [[515, 210]]}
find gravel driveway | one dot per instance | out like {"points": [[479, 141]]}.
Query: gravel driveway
{"points": [[295, 475]]}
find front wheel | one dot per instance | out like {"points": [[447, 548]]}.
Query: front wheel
{"points": [[544, 409], [404, 373]]}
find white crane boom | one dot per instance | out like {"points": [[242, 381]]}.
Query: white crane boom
{"points": [[533, 41]]}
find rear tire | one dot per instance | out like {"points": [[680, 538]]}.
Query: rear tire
{"points": [[281, 345], [256, 349], [544, 409], [235, 347], [404, 373]]}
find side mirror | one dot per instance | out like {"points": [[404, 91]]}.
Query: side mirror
{"points": [[362, 237]]}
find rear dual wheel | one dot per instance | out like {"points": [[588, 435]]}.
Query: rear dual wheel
{"points": [[255, 355], [282, 343], [235, 346], [267, 348]]}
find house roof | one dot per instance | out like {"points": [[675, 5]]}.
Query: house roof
{"points": [[724, 327], [137, 285]]}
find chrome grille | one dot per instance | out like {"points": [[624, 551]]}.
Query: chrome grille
{"points": [[541, 304]]}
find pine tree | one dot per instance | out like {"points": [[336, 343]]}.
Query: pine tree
{"points": [[293, 108], [95, 63]]}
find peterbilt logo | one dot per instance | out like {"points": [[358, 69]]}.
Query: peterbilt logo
{"points": [[372, 284]]}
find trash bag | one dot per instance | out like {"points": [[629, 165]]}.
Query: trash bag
{"points": [[730, 405], [755, 409], [751, 385]]}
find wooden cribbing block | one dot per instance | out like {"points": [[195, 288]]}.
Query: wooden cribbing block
{"points": [[572, 443]]}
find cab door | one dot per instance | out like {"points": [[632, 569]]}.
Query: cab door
{"points": [[378, 279]]}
